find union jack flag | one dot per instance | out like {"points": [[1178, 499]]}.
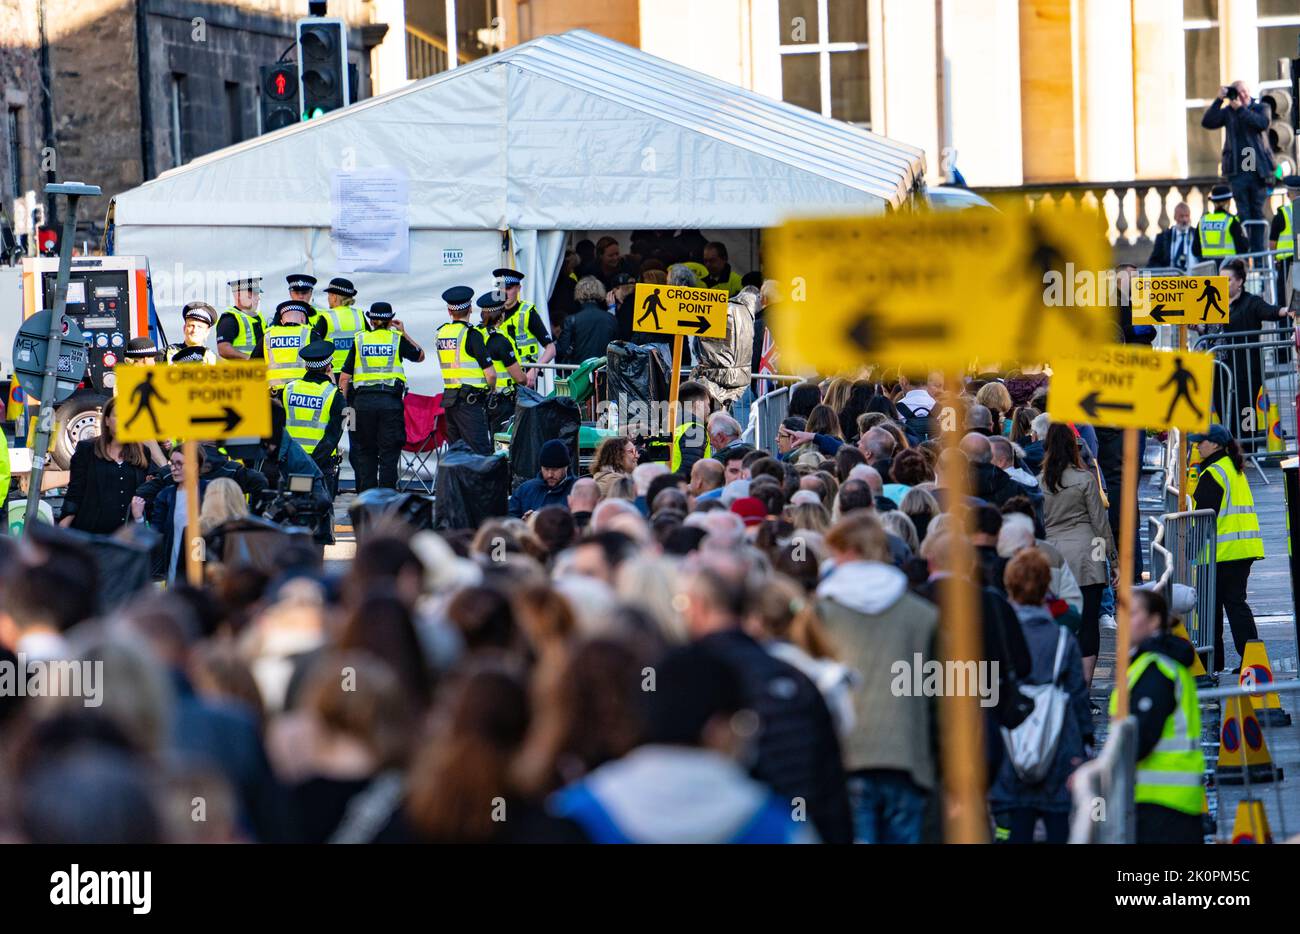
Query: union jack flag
{"points": [[767, 362]]}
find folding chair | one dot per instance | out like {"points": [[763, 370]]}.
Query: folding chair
{"points": [[426, 436]]}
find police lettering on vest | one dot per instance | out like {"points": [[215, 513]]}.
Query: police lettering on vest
{"points": [[342, 325], [378, 359], [1216, 239], [283, 342], [458, 368], [307, 411]]}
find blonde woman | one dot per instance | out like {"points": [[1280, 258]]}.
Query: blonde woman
{"points": [[223, 501], [995, 397]]}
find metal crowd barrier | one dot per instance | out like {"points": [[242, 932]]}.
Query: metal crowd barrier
{"points": [[1182, 552], [1103, 790], [769, 410], [1245, 361]]}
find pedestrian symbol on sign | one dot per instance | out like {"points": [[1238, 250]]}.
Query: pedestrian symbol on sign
{"points": [[1210, 297], [652, 306], [1180, 380], [145, 393]]}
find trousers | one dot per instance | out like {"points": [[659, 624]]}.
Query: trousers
{"points": [[1230, 580], [467, 421], [378, 439]]}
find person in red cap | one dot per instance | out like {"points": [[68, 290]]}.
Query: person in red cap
{"points": [[750, 509]]}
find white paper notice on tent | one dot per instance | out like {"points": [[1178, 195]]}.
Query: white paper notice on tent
{"points": [[369, 218]]}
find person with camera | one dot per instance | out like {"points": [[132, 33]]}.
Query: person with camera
{"points": [[314, 411], [1247, 157], [467, 373], [297, 493], [377, 380]]}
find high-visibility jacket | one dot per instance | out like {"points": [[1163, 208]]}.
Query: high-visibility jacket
{"points": [[515, 327], [1286, 240], [504, 381], [1214, 235], [458, 367], [282, 344], [379, 359], [246, 338], [1238, 523], [174, 349], [342, 325], [1171, 775], [307, 411], [675, 458]]}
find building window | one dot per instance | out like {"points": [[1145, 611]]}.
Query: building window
{"points": [[14, 136], [1201, 48], [477, 27], [824, 63], [179, 104], [234, 112]]}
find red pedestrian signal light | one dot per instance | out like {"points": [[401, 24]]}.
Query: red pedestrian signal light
{"points": [[281, 85], [279, 97]]}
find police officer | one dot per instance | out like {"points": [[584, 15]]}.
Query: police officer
{"points": [[1282, 235], [467, 373], [314, 411], [1169, 789], [140, 351], [501, 349], [1223, 487], [342, 319], [1219, 233], [524, 325], [285, 338], [198, 319], [240, 327], [374, 374], [301, 287]]}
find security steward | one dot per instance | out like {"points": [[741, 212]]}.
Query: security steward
{"points": [[524, 325], [198, 319], [240, 327], [343, 320], [691, 437], [140, 351], [314, 411], [1223, 487], [467, 373], [1169, 790], [501, 403], [285, 338], [374, 375], [1219, 233]]}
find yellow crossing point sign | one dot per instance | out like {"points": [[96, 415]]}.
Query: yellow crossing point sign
{"points": [[938, 290], [678, 309], [1180, 300], [193, 402], [1130, 387]]}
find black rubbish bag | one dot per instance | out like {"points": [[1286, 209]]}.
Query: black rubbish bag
{"points": [[470, 488], [635, 380], [123, 561], [382, 504], [538, 419], [252, 541]]}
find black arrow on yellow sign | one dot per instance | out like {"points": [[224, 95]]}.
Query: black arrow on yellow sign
{"points": [[1160, 314], [871, 331], [700, 324], [1092, 405], [229, 416]]}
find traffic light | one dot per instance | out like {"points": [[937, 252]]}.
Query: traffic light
{"points": [[322, 65], [47, 241], [279, 96], [1280, 133]]}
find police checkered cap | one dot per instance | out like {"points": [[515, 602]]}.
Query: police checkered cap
{"points": [[293, 305], [492, 300], [317, 355], [248, 284], [458, 297], [199, 311], [300, 281], [508, 276], [381, 311]]}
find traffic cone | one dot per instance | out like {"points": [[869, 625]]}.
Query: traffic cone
{"points": [[1257, 672], [1261, 408], [1251, 823], [1275, 440], [1197, 668], [1242, 750], [14, 407]]}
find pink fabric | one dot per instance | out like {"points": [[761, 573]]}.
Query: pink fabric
{"points": [[424, 417]]}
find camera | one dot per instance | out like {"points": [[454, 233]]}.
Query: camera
{"points": [[295, 504]]}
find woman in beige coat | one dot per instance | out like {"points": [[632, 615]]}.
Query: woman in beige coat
{"points": [[615, 457], [1076, 524]]}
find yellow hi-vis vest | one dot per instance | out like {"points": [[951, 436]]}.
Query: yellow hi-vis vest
{"points": [[1213, 232], [379, 359], [504, 381], [1238, 523], [515, 327], [246, 338], [282, 343], [342, 325], [458, 368], [675, 458], [1286, 240], [1172, 774], [307, 411]]}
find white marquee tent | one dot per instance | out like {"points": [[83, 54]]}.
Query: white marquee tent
{"points": [[503, 157]]}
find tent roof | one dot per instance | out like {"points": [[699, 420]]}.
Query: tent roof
{"points": [[571, 131]]}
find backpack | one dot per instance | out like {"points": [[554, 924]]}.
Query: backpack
{"points": [[1031, 746], [916, 423]]}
